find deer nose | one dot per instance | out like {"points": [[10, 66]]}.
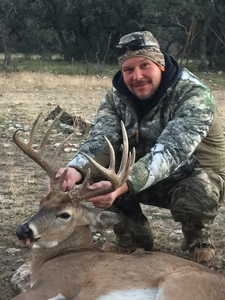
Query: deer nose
{"points": [[24, 232]]}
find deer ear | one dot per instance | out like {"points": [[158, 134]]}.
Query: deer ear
{"points": [[108, 219], [102, 219]]}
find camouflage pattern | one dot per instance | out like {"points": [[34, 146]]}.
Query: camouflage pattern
{"points": [[169, 135], [180, 162], [152, 52], [193, 201]]}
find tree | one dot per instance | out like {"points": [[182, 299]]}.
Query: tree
{"points": [[88, 29], [12, 16], [171, 21]]}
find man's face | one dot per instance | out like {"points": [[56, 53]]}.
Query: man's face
{"points": [[141, 75]]}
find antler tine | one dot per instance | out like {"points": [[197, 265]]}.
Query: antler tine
{"points": [[47, 134], [37, 155], [126, 165], [33, 130], [116, 179], [128, 159]]}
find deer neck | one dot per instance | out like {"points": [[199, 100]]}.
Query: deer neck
{"points": [[79, 240]]}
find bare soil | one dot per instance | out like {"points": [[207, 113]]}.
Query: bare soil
{"points": [[23, 183]]}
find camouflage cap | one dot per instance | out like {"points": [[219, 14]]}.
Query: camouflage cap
{"points": [[150, 50]]}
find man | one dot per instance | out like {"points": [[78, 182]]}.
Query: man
{"points": [[171, 120]]}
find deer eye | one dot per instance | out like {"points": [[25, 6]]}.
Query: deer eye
{"points": [[64, 216]]}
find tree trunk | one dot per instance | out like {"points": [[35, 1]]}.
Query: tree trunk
{"points": [[64, 44], [203, 66], [5, 42], [213, 57]]}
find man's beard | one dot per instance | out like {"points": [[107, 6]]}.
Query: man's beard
{"points": [[145, 97]]}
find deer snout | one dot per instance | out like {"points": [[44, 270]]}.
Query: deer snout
{"points": [[24, 233]]}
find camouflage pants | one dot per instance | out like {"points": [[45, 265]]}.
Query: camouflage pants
{"points": [[193, 201]]}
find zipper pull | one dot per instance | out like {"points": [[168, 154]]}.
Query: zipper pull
{"points": [[137, 135]]}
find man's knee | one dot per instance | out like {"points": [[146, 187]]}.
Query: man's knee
{"points": [[196, 197]]}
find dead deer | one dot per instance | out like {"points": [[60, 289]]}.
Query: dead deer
{"points": [[66, 266]]}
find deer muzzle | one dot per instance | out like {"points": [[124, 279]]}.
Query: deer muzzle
{"points": [[24, 233]]}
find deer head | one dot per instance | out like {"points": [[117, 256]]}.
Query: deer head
{"points": [[59, 211]]}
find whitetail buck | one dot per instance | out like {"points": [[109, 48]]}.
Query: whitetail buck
{"points": [[66, 266]]}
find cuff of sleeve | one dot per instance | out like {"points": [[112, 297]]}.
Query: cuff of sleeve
{"points": [[80, 171], [130, 186]]}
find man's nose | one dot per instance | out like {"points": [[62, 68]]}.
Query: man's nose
{"points": [[137, 74]]}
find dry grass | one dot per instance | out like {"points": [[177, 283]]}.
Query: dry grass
{"points": [[36, 92], [28, 81], [23, 96]]}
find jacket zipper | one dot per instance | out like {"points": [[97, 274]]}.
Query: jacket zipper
{"points": [[137, 135]]}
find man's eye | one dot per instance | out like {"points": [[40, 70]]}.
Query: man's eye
{"points": [[127, 71]]}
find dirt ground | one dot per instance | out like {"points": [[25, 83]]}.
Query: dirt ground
{"points": [[23, 183]]}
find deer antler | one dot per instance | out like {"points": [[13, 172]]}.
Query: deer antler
{"points": [[116, 179], [37, 155]]}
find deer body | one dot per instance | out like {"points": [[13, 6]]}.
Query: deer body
{"points": [[91, 274], [74, 269], [66, 266]]}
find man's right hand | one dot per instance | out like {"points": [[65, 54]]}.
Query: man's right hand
{"points": [[72, 177]]}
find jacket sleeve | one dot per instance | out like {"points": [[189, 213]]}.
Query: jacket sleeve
{"points": [[192, 118], [106, 123]]}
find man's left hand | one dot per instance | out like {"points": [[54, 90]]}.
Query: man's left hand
{"points": [[105, 201]]}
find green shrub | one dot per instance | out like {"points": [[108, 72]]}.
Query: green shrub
{"points": [[1, 120], [57, 66]]}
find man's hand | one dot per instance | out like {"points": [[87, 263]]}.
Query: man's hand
{"points": [[107, 200], [72, 177]]}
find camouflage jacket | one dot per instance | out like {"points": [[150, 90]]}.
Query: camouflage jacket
{"points": [[180, 132]]}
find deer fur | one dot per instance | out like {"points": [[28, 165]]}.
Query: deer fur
{"points": [[65, 265], [74, 269]]}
